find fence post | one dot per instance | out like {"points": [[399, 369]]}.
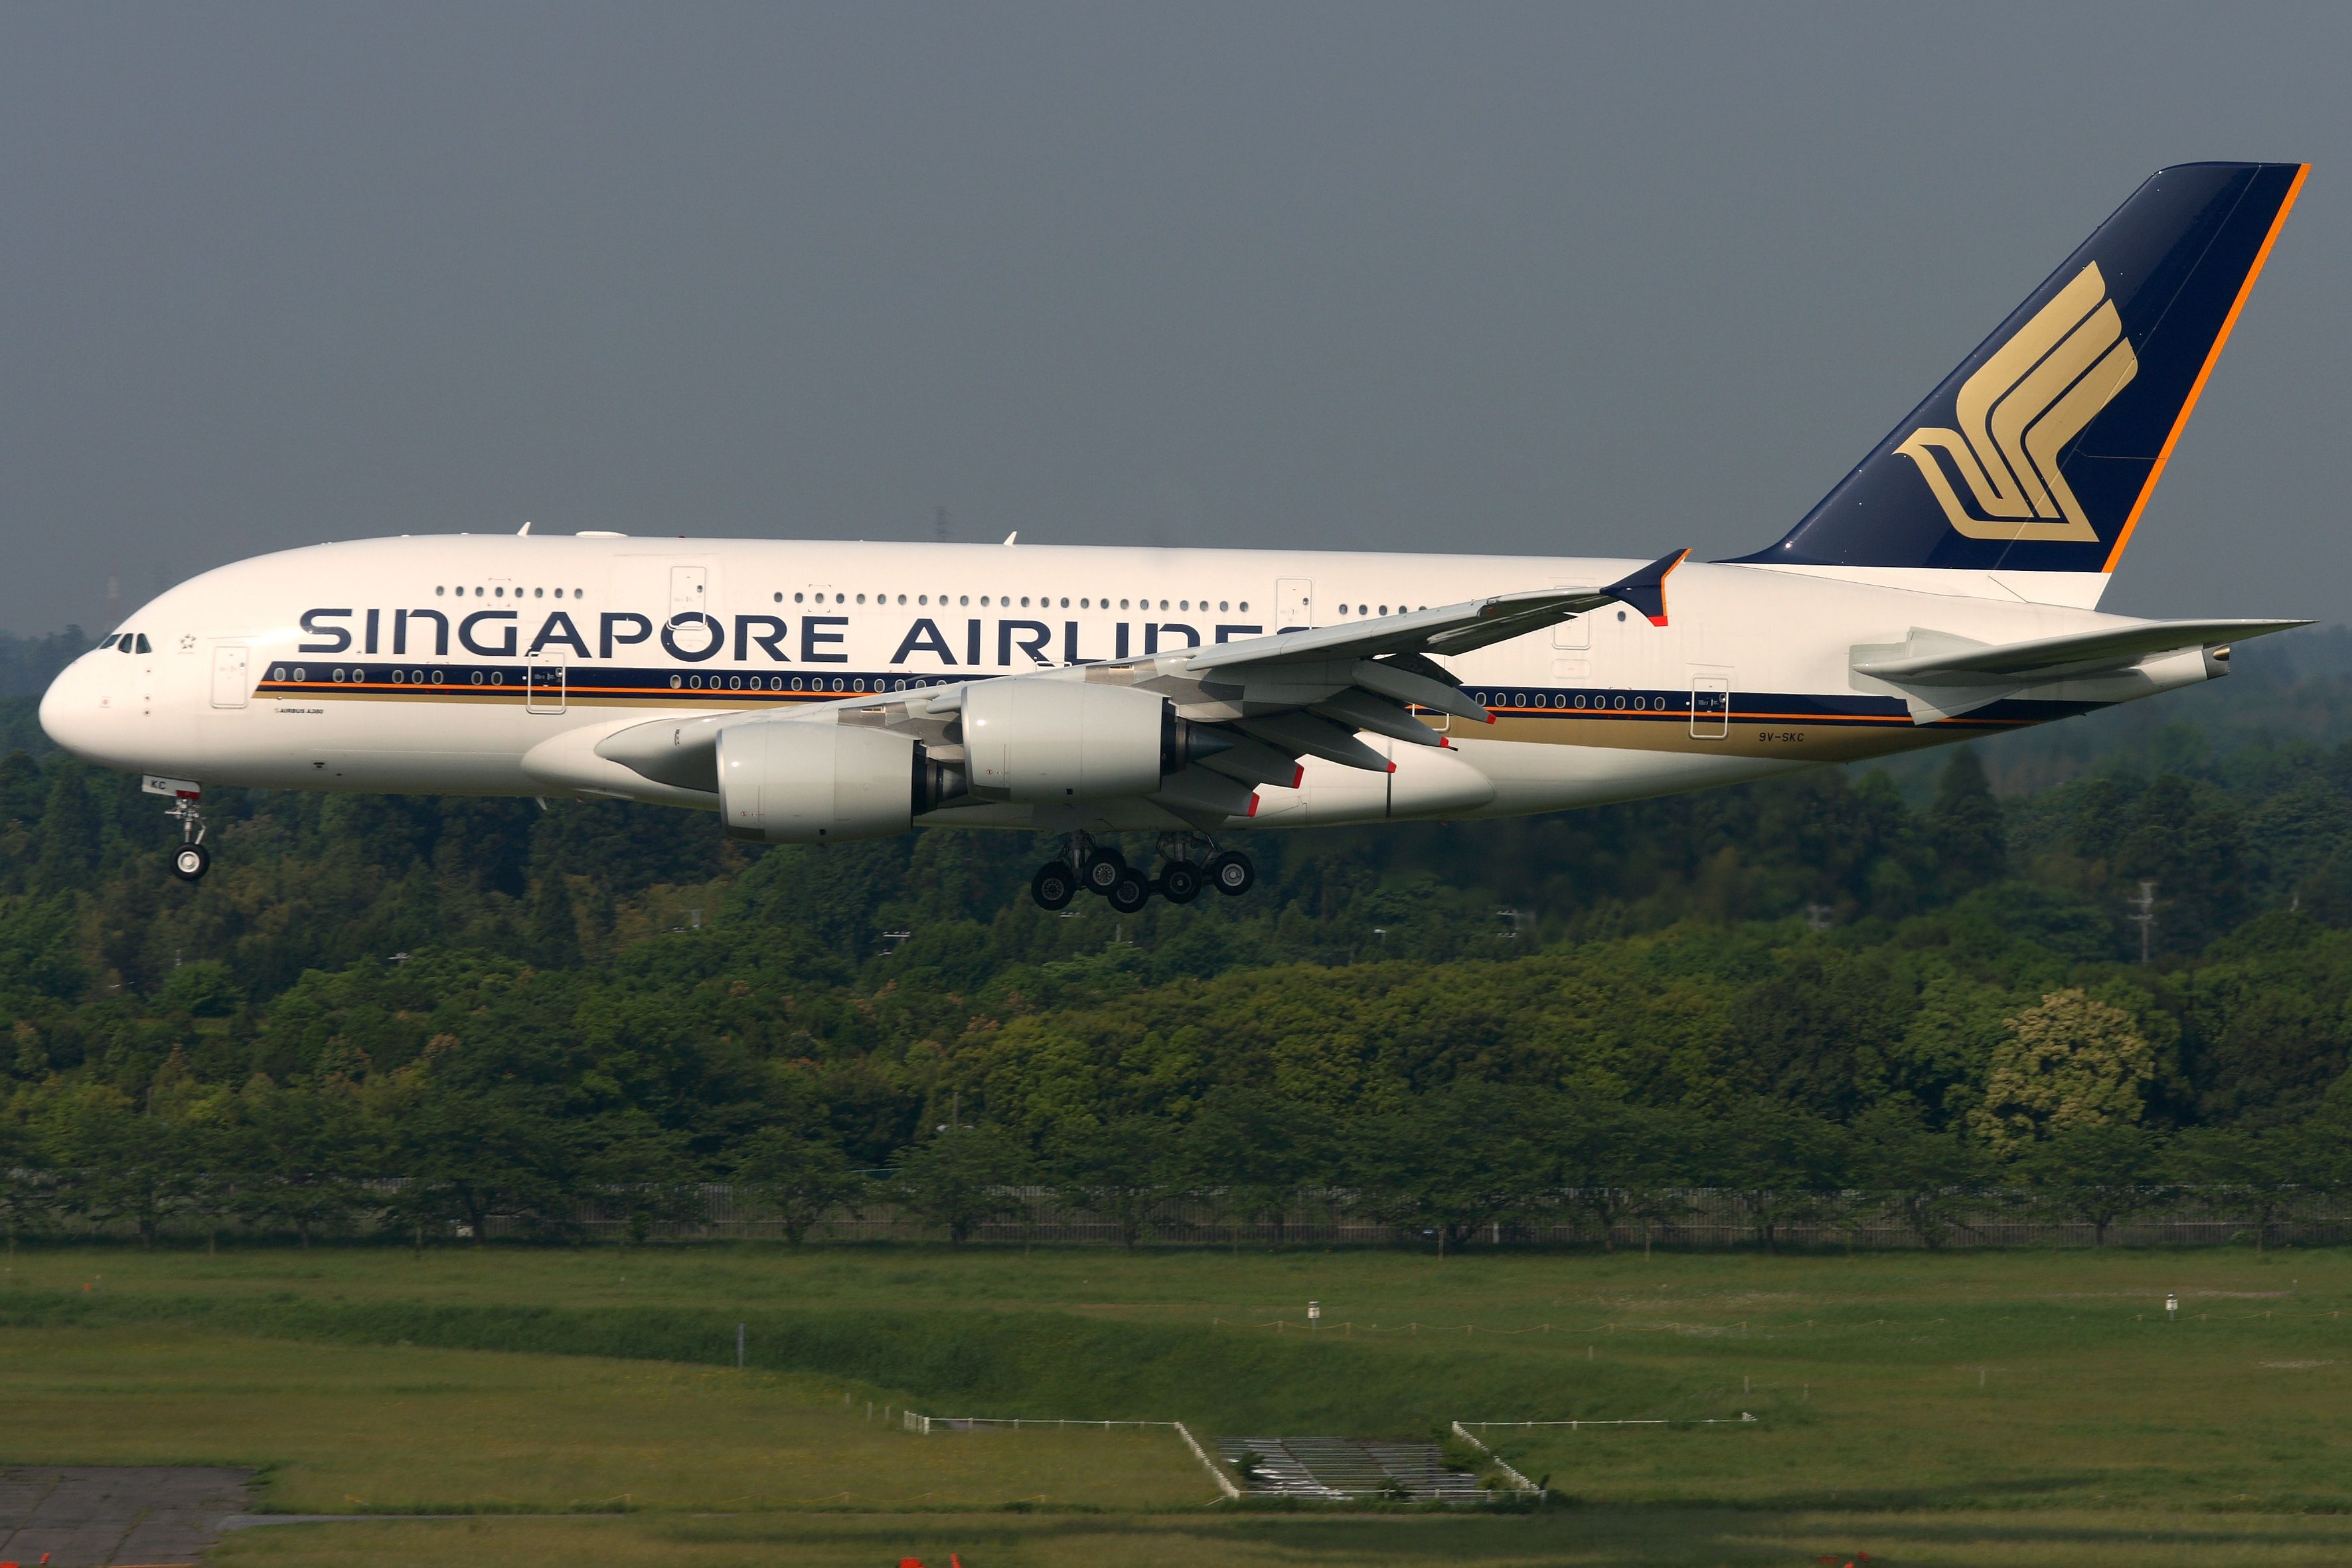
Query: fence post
{"points": [[739, 1347]]}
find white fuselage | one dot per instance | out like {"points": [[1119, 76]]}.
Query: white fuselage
{"points": [[491, 664]]}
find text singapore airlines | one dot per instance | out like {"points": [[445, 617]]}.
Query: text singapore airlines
{"points": [[1947, 588]]}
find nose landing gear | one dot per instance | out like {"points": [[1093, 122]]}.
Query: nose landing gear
{"points": [[1101, 868], [191, 860]]}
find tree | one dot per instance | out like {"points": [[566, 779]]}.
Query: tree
{"points": [[114, 1163], [472, 1150], [1262, 1151], [297, 1154], [2094, 1174], [1452, 1162], [1128, 1171], [798, 1178], [960, 1179], [2262, 1171], [555, 926], [1777, 1161], [646, 1170], [28, 1187], [2072, 1061], [1611, 1159], [1924, 1178], [1965, 824]]}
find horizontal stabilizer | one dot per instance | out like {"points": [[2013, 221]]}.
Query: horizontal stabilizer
{"points": [[2050, 658]]}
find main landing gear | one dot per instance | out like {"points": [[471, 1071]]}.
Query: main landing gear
{"points": [[191, 860], [1101, 869]]}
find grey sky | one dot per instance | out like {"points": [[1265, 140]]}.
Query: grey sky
{"points": [[1487, 277]]}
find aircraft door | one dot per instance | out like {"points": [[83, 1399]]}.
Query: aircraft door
{"points": [[1710, 712], [1294, 600], [689, 591], [543, 689], [231, 689]]}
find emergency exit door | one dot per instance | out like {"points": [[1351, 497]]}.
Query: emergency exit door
{"points": [[1294, 604], [543, 689], [1710, 713]]}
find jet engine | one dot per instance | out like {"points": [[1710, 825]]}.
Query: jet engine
{"points": [[1053, 742], [800, 783]]}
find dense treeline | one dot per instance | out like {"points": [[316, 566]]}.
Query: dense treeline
{"points": [[1825, 981]]}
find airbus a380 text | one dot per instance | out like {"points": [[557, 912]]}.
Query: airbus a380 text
{"points": [[807, 691]]}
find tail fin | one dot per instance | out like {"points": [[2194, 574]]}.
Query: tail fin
{"points": [[2039, 451]]}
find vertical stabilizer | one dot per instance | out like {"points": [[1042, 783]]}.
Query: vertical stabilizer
{"points": [[2040, 452]]}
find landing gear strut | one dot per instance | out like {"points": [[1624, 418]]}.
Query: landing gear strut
{"points": [[191, 860], [1101, 868]]}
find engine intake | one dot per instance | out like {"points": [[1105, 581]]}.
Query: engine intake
{"points": [[801, 783]]}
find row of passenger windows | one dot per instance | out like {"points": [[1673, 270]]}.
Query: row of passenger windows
{"points": [[388, 677], [1006, 602], [1558, 701], [813, 683], [1000, 601], [1587, 700]]}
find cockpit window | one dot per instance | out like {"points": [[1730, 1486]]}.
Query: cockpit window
{"points": [[109, 640], [124, 645], [144, 646]]}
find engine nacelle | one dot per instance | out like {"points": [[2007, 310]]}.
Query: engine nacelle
{"points": [[801, 783], [1050, 743]]}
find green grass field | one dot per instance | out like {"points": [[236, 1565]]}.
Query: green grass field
{"points": [[2025, 1406]]}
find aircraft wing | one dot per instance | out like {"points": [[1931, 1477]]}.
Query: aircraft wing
{"points": [[1255, 707], [1448, 629]]}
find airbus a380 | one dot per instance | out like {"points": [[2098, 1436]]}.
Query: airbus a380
{"points": [[1947, 588]]}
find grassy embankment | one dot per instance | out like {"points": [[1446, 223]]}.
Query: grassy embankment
{"points": [[2040, 1385]]}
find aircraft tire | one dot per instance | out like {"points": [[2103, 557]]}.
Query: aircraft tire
{"points": [[190, 861], [1180, 881], [1232, 874], [1130, 892], [1103, 866], [1054, 886]]}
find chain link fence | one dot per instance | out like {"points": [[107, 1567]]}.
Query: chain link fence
{"points": [[1618, 1218]]}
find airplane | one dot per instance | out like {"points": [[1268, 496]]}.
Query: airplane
{"points": [[1947, 588]]}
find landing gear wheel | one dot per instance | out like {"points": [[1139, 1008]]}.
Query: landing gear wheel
{"points": [[1102, 868], [1054, 886], [190, 861], [1130, 892], [1232, 874], [1180, 881]]}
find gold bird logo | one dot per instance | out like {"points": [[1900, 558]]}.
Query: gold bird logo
{"points": [[2020, 409]]}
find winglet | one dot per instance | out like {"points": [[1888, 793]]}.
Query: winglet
{"points": [[1646, 590]]}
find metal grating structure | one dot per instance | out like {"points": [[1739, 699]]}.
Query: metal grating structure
{"points": [[1347, 1469]]}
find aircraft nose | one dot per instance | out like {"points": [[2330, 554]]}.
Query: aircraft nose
{"points": [[74, 712]]}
